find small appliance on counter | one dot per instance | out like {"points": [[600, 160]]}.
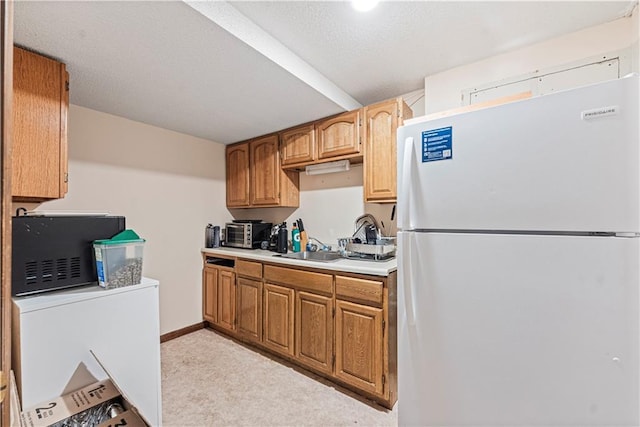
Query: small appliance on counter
{"points": [[212, 237], [283, 243], [56, 252], [278, 241], [246, 233]]}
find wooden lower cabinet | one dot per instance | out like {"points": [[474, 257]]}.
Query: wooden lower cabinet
{"points": [[249, 313], [210, 294], [219, 296], [227, 300], [278, 326], [314, 331], [339, 325], [359, 346]]}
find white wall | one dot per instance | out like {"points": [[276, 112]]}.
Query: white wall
{"points": [[443, 90], [168, 186], [329, 204]]}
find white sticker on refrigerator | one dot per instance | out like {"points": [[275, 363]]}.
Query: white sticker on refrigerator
{"points": [[596, 113], [437, 144]]}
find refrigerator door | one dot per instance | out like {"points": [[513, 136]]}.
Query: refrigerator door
{"points": [[567, 161], [518, 330]]}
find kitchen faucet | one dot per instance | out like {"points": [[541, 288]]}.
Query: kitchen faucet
{"points": [[313, 247], [361, 224]]}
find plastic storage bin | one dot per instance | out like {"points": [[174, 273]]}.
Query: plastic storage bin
{"points": [[119, 260]]}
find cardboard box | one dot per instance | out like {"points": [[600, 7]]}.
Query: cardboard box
{"points": [[92, 396], [128, 418]]}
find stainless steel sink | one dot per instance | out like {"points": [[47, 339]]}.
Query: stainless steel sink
{"points": [[322, 256]]}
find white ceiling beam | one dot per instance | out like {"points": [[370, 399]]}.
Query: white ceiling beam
{"points": [[231, 20]]}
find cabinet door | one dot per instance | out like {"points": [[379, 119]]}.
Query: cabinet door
{"points": [[249, 309], [227, 299], [278, 318], [40, 102], [265, 171], [314, 331], [380, 158], [210, 294], [359, 346], [298, 145], [339, 135], [238, 175]]}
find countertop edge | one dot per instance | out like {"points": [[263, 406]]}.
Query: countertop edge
{"points": [[46, 300], [373, 268]]}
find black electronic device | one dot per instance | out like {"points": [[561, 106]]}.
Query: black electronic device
{"points": [[56, 252]]}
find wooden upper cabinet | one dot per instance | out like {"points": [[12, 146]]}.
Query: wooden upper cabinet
{"points": [[238, 175], [380, 155], [255, 178], [339, 135], [298, 145], [265, 168], [40, 104]]}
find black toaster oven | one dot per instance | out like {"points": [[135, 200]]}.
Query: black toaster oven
{"points": [[248, 234]]}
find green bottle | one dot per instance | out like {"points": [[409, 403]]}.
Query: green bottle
{"points": [[295, 238]]}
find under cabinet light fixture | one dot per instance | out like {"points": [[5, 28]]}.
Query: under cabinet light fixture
{"points": [[330, 167]]}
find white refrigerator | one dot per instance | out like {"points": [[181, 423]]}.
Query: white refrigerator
{"points": [[519, 263]]}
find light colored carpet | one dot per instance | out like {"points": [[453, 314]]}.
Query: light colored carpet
{"points": [[210, 380]]}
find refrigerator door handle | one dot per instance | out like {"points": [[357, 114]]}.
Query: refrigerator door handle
{"points": [[408, 246], [403, 199]]}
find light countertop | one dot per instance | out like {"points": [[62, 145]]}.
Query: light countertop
{"points": [[375, 268], [73, 295]]}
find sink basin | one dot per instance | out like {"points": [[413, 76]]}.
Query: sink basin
{"points": [[322, 256]]}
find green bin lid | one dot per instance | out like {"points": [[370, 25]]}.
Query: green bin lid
{"points": [[126, 236]]}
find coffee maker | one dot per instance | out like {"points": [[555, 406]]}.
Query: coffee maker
{"points": [[278, 238]]}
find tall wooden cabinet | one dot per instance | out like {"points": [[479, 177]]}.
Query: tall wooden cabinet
{"points": [[380, 159], [40, 104], [255, 177]]}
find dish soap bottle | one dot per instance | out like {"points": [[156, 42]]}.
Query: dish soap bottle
{"points": [[295, 238]]}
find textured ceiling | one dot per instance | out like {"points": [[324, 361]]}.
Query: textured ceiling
{"points": [[165, 64], [389, 50]]}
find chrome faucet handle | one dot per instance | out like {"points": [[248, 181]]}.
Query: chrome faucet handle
{"points": [[322, 246]]}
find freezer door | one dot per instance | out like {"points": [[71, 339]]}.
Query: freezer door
{"points": [[566, 161], [517, 330]]}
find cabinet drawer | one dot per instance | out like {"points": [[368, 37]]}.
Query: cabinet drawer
{"points": [[316, 282], [249, 269], [359, 289]]}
